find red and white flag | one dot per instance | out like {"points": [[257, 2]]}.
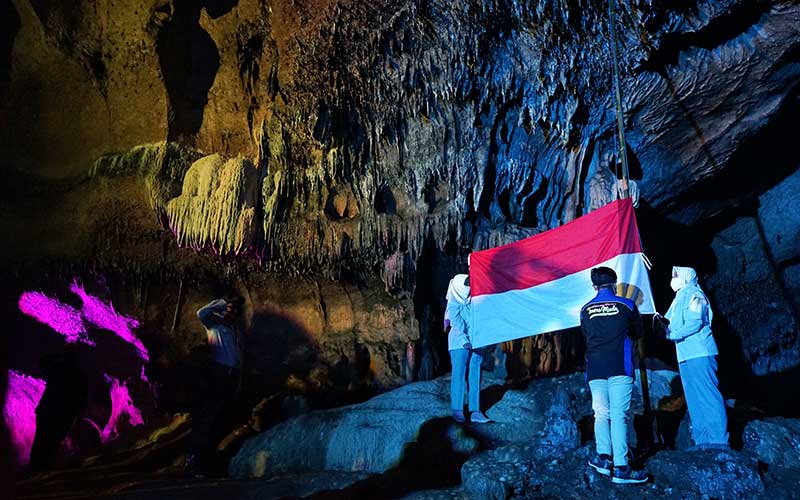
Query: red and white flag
{"points": [[539, 284]]}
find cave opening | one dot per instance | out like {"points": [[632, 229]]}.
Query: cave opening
{"points": [[189, 61], [385, 202]]}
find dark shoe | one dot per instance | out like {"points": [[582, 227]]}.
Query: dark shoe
{"points": [[625, 475], [477, 417], [602, 464], [458, 416], [193, 467]]}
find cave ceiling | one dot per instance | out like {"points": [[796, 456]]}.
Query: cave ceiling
{"points": [[320, 134]]}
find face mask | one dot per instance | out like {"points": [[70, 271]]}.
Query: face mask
{"points": [[676, 284]]}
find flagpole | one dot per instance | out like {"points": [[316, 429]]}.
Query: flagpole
{"points": [[622, 149], [623, 158]]}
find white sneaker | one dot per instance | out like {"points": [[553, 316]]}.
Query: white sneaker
{"points": [[477, 417]]}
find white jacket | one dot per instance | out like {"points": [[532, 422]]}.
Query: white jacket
{"points": [[457, 313], [690, 317]]}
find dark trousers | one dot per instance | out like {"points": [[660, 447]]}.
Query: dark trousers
{"points": [[216, 395]]}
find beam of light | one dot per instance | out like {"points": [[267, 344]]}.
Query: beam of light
{"points": [[121, 404], [104, 316], [19, 412], [63, 318]]}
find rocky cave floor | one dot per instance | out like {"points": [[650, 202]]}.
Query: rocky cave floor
{"points": [[402, 444]]}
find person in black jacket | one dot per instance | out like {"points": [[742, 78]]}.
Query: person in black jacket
{"points": [[611, 324]]}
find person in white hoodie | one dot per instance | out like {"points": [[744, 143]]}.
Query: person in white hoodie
{"points": [[689, 327], [456, 323]]}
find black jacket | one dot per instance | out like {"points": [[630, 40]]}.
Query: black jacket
{"points": [[610, 325]]}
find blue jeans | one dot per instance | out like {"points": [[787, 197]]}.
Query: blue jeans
{"points": [[611, 400], [706, 407], [459, 358]]}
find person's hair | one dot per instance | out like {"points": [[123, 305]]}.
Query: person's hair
{"points": [[603, 277], [235, 299]]}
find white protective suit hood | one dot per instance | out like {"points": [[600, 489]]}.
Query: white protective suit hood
{"points": [[682, 276], [458, 290]]}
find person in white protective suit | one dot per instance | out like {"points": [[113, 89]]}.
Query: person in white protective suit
{"points": [[690, 317], [466, 361]]}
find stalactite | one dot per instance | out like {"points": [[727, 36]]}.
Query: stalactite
{"points": [[216, 208]]}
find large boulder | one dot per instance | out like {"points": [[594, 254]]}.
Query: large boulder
{"points": [[518, 471], [498, 474], [717, 474], [547, 411], [377, 435], [775, 441], [370, 436], [547, 417]]}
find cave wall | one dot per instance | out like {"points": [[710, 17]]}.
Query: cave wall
{"points": [[336, 161], [77, 70], [755, 288]]}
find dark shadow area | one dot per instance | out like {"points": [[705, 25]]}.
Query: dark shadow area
{"points": [[635, 171], [189, 62], [743, 181], [282, 357], [11, 22], [434, 270], [669, 243], [385, 202], [7, 472], [492, 395], [777, 393], [433, 461], [64, 400], [721, 30]]}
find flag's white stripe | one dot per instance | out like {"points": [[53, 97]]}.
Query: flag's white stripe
{"points": [[551, 306]]}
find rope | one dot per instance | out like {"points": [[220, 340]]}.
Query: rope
{"points": [[623, 156], [621, 149]]}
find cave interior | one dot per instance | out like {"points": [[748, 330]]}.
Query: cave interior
{"points": [[334, 163]]}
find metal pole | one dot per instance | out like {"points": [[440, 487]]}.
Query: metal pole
{"points": [[623, 154], [623, 158]]}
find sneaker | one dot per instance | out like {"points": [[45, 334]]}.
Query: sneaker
{"points": [[458, 416], [602, 464], [625, 475], [477, 417]]}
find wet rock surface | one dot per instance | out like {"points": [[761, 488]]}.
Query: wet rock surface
{"points": [[395, 430], [775, 441], [716, 474], [403, 444], [516, 472]]}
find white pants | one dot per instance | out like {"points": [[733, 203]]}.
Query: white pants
{"points": [[611, 400]]}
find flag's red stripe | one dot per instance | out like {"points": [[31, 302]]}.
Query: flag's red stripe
{"points": [[573, 247]]}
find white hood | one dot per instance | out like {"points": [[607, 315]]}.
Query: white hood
{"points": [[458, 290], [684, 276]]}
